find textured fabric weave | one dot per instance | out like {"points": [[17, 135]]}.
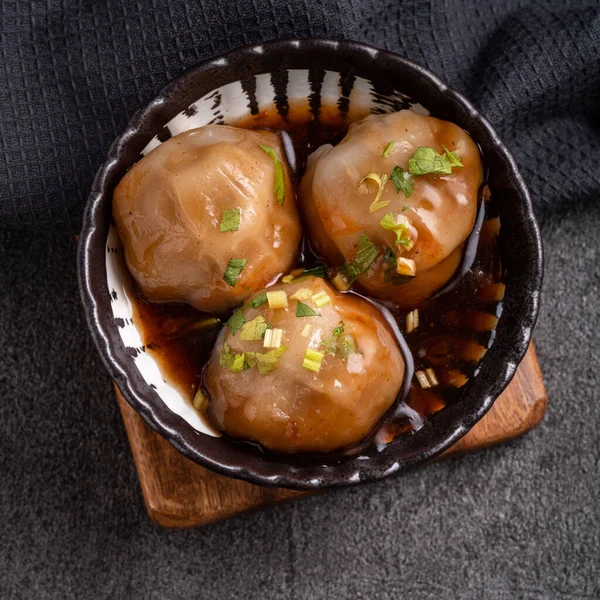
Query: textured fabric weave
{"points": [[521, 521], [74, 71]]}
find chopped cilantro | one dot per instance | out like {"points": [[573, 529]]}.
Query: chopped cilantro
{"points": [[303, 310], [388, 149], [402, 181], [426, 160], [253, 330], [258, 300], [230, 221], [236, 321], [265, 362], [279, 187], [330, 345], [367, 253], [231, 361], [234, 268]]}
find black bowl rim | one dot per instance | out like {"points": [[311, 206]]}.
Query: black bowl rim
{"points": [[96, 302]]}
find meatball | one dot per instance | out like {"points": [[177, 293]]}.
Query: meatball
{"points": [[208, 217], [330, 370], [420, 246]]}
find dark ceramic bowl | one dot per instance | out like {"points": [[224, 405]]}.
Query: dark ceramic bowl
{"points": [[314, 71]]}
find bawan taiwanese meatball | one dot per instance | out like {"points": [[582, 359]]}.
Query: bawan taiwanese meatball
{"points": [[303, 368], [208, 217], [393, 203]]}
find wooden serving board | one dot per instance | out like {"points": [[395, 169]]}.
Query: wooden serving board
{"points": [[179, 493]]}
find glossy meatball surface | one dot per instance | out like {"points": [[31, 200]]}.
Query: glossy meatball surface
{"points": [[300, 402], [170, 207], [441, 208]]}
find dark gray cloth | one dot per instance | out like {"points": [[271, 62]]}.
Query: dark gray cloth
{"points": [[74, 71], [519, 521]]}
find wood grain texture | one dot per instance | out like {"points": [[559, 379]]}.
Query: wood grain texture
{"points": [[179, 493]]}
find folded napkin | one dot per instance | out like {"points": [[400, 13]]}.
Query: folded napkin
{"points": [[73, 72]]}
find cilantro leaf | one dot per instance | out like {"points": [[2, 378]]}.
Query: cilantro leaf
{"points": [[402, 181], [347, 346], [265, 362], [258, 300], [230, 220], [231, 361], [303, 310], [453, 157], [330, 345], [426, 160], [279, 187], [367, 253], [234, 268], [253, 330], [236, 321]]}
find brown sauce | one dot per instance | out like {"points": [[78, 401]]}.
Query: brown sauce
{"points": [[456, 325]]}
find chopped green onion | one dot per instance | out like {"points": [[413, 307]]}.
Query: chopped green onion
{"points": [[412, 320], [273, 338], [318, 271], [279, 187], [277, 299], [338, 345], [380, 180], [422, 379], [200, 401], [258, 300], [431, 376], [301, 294], [347, 345], [341, 282], [388, 149], [406, 266], [230, 221], [399, 225], [427, 378], [337, 331], [321, 299], [313, 360], [306, 330], [298, 275], [234, 268]]}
